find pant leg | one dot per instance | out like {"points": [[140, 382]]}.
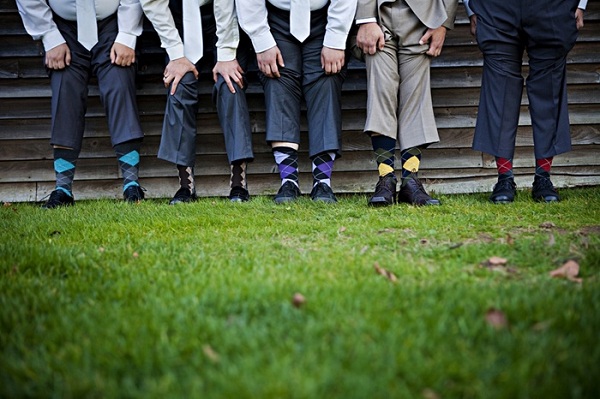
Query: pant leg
{"points": [[322, 92], [70, 91], [383, 81], [178, 140], [232, 108], [499, 39], [117, 87], [551, 32], [283, 95]]}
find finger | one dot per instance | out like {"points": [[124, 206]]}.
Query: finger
{"points": [[196, 73], [280, 60], [274, 70], [113, 55], [175, 84], [68, 57], [215, 76], [230, 85], [238, 80]]}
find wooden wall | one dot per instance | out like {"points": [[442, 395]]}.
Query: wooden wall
{"points": [[26, 171]]}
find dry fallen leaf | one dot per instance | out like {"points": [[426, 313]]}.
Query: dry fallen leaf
{"points": [[6, 204], [510, 240], [429, 393], [569, 270], [298, 300], [136, 255], [551, 240], [496, 318], [386, 273], [342, 229], [494, 261], [210, 353], [547, 225]]}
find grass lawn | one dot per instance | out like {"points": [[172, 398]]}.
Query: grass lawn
{"points": [[108, 299]]}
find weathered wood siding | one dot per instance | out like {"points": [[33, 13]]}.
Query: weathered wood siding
{"points": [[26, 172]]}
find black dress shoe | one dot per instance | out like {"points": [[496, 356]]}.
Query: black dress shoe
{"points": [[543, 190], [321, 192], [287, 192], [58, 198], [183, 195], [385, 191], [504, 191], [238, 194], [133, 194], [413, 192]]}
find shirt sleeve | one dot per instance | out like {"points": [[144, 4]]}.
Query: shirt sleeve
{"points": [[160, 16], [340, 17], [252, 15], [467, 8], [130, 20], [228, 34], [582, 4], [38, 22]]}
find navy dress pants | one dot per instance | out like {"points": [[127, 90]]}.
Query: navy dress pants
{"points": [[546, 29]]}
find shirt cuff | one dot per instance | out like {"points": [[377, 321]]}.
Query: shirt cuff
{"points": [[365, 20], [175, 52], [335, 40], [126, 39], [582, 4], [263, 42], [226, 54], [52, 39]]}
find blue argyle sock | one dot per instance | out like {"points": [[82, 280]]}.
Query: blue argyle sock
{"points": [[128, 155], [65, 161]]}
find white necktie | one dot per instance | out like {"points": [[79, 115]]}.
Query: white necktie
{"points": [[87, 27], [300, 19], [192, 30]]}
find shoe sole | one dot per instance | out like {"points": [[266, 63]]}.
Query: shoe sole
{"points": [[379, 201], [325, 200], [284, 200]]}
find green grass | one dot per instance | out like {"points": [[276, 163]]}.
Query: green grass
{"points": [[108, 299]]}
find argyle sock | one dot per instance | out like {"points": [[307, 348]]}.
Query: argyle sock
{"points": [[238, 174], [543, 166], [65, 161], [286, 159], [384, 148], [322, 166], [411, 160], [186, 177], [505, 168], [128, 155]]}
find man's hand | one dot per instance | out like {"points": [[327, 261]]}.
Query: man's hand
{"points": [[231, 71], [269, 62], [435, 38], [332, 60], [58, 57], [122, 55], [579, 18], [370, 38], [175, 71], [473, 19]]}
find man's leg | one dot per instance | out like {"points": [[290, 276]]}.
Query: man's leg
{"points": [[118, 96]]}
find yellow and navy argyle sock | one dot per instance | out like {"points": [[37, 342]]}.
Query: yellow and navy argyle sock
{"points": [[128, 155], [505, 168], [411, 160], [286, 159], [186, 177], [384, 148], [65, 161], [238, 174], [322, 166], [543, 166]]}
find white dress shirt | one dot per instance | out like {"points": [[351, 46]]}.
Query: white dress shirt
{"points": [[38, 21], [582, 5], [253, 19], [228, 35]]}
